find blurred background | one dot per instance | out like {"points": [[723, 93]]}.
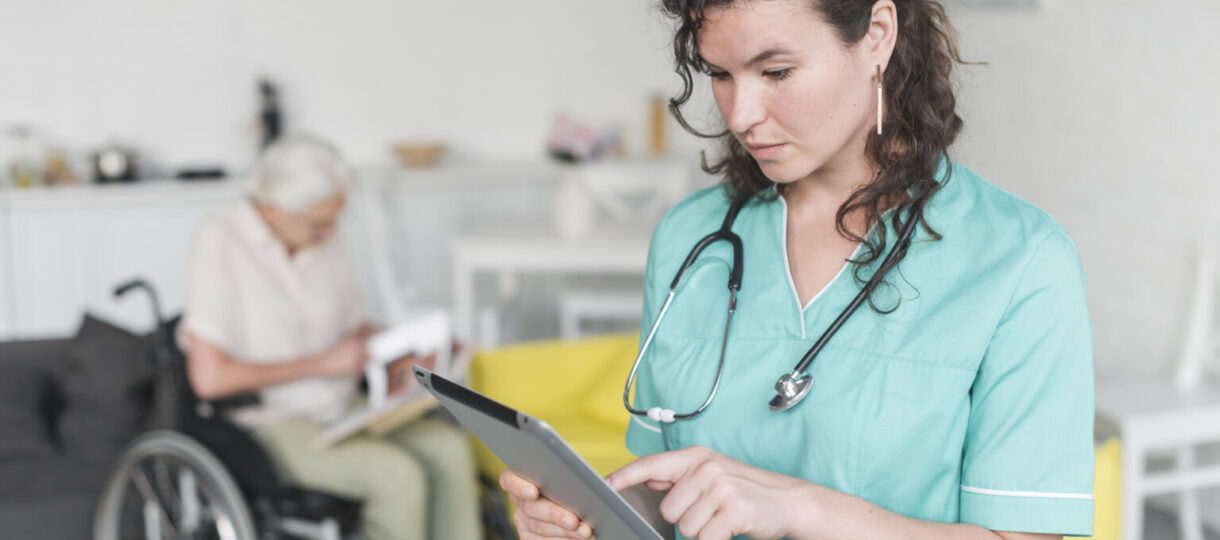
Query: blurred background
{"points": [[511, 159]]}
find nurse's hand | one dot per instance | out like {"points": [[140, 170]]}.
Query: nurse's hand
{"points": [[536, 517], [714, 497]]}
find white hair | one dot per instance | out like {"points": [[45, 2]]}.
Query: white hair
{"points": [[298, 172]]}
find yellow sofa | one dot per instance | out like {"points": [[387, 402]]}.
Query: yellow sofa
{"points": [[1107, 486], [577, 388]]}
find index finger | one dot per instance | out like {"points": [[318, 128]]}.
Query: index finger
{"points": [[514, 484], [664, 467]]}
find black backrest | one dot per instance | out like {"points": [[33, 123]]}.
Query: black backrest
{"points": [[178, 383], [243, 456]]}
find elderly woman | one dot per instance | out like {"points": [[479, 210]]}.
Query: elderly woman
{"points": [[273, 309]]}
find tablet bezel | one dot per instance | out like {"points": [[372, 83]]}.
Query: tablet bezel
{"points": [[560, 473]]}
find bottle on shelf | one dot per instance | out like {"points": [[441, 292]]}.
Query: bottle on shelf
{"points": [[271, 120], [658, 114]]}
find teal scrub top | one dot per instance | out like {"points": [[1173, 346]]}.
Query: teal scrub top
{"points": [[971, 402]]}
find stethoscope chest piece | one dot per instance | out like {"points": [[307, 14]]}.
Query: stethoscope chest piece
{"points": [[790, 390]]}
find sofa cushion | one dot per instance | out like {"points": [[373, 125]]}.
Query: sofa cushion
{"points": [[49, 497], [611, 358], [107, 390], [66, 516], [49, 477], [24, 391], [575, 386]]}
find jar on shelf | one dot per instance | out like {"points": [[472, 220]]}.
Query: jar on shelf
{"points": [[22, 162]]}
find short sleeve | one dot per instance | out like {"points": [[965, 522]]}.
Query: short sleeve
{"points": [[209, 311], [1028, 458], [353, 317], [644, 435]]}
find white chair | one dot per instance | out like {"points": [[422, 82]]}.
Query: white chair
{"points": [[629, 193], [579, 306], [1169, 418]]}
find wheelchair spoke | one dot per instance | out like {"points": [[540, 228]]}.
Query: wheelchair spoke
{"points": [[210, 509], [168, 487], [188, 494], [153, 525], [152, 503], [225, 529], [221, 524], [166, 492]]}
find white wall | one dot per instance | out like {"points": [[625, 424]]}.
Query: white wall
{"points": [[177, 79], [1104, 113]]}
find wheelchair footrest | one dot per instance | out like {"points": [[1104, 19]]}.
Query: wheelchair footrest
{"points": [[314, 505]]}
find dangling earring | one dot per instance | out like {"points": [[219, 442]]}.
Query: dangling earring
{"points": [[879, 101]]}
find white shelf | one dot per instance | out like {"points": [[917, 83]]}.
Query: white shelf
{"points": [[142, 193]]}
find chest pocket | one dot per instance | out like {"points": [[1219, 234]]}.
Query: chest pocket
{"points": [[911, 444]]}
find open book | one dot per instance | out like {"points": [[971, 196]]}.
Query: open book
{"points": [[420, 336]]}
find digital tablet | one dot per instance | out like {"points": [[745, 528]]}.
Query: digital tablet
{"points": [[533, 450]]}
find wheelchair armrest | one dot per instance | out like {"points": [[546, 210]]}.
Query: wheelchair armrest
{"points": [[235, 402]]}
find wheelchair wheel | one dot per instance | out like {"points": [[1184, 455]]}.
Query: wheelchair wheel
{"points": [[167, 486]]}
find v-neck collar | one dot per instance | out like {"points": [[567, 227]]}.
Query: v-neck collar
{"points": [[796, 297], [783, 236]]}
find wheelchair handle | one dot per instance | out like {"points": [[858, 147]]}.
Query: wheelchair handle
{"points": [[141, 283]]}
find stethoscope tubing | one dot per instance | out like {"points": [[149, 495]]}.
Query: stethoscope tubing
{"points": [[725, 233], [901, 245], [667, 415]]}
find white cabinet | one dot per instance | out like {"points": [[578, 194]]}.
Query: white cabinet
{"points": [[64, 249]]}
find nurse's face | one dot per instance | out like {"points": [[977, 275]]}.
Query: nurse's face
{"points": [[789, 90]]}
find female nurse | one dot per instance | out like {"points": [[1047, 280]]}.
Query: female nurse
{"points": [[956, 402]]}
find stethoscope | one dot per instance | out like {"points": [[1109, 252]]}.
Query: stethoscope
{"points": [[792, 387]]}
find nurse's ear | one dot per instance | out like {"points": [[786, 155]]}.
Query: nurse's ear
{"points": [[878, 42]]}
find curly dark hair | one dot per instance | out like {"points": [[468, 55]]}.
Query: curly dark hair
{"points": [[920, 121]]}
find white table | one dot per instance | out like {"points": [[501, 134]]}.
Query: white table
{"points": [[1154, 417], [620, 253]]}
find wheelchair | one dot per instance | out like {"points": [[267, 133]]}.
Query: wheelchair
{"points": [[197, 476]]}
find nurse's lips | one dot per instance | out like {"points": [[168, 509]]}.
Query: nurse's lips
{"points": [[764, 152]]}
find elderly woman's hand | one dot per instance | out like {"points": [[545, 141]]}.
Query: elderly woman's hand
{"points": [[538, 518], [346, 358], [400, 371]]}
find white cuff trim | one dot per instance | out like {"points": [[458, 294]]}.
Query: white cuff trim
{"points": [[645, 424], [1037, 494]]}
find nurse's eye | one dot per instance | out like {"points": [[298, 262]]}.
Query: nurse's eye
{"points": [[718, 75], [778, 74]]}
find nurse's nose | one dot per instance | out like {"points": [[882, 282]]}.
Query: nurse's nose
{"points": [[743, 107]]}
